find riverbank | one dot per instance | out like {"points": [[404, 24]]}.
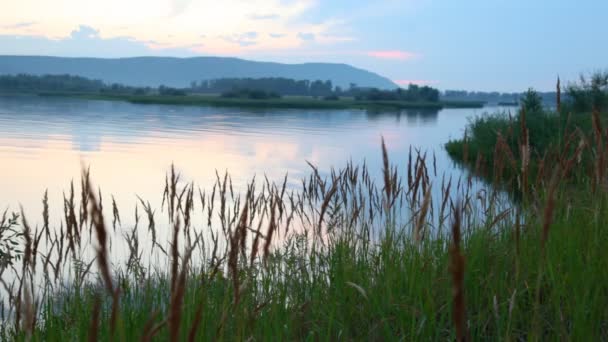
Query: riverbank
{"points": [[285, 102]]}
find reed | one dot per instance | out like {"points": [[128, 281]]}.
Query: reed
{"points": [[457, 268]]}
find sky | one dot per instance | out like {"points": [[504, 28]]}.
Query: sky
{"points": [[498, 45]]}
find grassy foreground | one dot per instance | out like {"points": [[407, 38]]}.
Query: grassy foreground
{"points": [[396, 289], [286, 102], [331, 261]]}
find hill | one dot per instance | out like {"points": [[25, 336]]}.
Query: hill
{"points": [[179, 72]]}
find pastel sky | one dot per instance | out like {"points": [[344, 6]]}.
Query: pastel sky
{"points": [[503, 45]]}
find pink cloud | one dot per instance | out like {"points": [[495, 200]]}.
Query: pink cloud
{"points": [[392, 54], [418, 82]]}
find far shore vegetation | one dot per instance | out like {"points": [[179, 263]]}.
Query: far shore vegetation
{"points": [[263, 92]]}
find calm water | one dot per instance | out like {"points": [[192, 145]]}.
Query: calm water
{"points": [[44, 142]]}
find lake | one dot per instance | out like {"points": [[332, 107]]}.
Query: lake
{"points": [[45, 141]]}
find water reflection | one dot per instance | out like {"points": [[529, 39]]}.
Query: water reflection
{"points": [[44, 141], [413, 116]]}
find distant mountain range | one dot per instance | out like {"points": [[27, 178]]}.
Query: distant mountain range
{"points": [[179, 72]]}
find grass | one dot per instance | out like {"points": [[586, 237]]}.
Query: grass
{"points": [[285, 102], [493, 144], [339, 258], [400, 290]]}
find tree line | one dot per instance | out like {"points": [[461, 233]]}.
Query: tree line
{"points": [[67, 83], [260, 88], [276, 85], [413, 93], [24, 82]]}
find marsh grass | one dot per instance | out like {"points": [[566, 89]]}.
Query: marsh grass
{"points": [[339, 258]]}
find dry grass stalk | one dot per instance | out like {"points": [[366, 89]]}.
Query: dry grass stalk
{"points": [[559, 95], [27, 253], [237, 242], [177, 298], [45, 215], [198, 316], [325, 204], [70, 219], [417, 182], [272, 226], [445, 193], [409, 169], [102, 249], [151, 224], [174, 255], [103, 261], [256, 241], [499, 218], [115, 214], [388, 188], [420, 222], [540, 174], [242, 226], [29, 314], [457, 268], [150, 329], [24, 289], [94, 325], [84, 195], [61, 239], [35, 242]]}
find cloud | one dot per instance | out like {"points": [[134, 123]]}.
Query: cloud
{"points": [[417, 82], [264, 16], [86, 41], [179, 6], [280, 25], [306, 36], [392, 54], [20, 25], [242, 39], [85, 32]]}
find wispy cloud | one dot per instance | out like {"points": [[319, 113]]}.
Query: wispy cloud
{"points": [[242, 39], [86, 41], [21, 25], [392, 54], [276, 35]]}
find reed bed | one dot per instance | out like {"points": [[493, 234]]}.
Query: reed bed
{"points": [[343, 256]]}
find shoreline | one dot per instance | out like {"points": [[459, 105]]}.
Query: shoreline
{"points": [[287, 102]]}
